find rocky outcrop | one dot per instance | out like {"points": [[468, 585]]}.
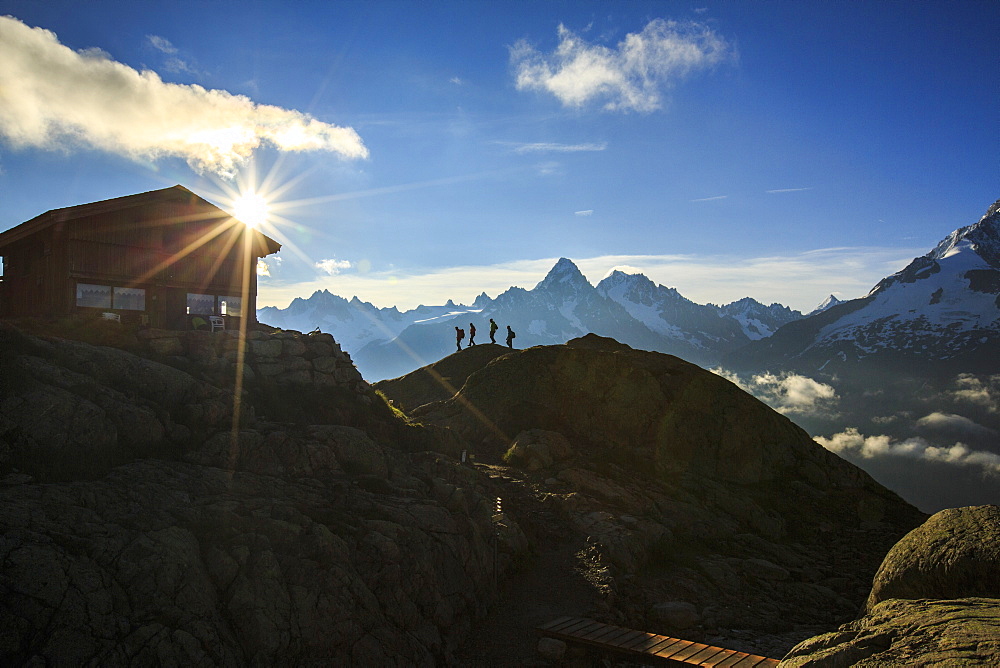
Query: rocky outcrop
{"points": [[897, 632], [705, 514], [149, 516], [537, 449], [935, 600], [279, 358], [640, 409]]}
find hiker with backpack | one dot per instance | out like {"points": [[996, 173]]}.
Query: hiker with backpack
{"points": [[510, 337], [493, 330], [459, 335]]}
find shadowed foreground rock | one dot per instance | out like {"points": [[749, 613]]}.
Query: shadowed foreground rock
{"points": [[935, 601], [150, 516], [137, 528]]}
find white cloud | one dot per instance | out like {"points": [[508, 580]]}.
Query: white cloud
{"points": [[54, 98], [789, 394], [951, 421], [868, 447], [456, 80], [787, 190], [263, 268], [978, 391], [552, 147], [585, 212], [333, 267], [964, 456], [630, 77], [851, 441]]}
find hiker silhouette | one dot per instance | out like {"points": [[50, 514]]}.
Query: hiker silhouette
{"points": [[510, 337], [472, 334], [493, 330], [459, 335]]}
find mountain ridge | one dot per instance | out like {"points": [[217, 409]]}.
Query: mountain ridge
{"points": [[630, 307]]}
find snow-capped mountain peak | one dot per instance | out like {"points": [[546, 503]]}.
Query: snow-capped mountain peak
{"points": [[982, 238], [564, 275], [827, 303], [941, 306]]}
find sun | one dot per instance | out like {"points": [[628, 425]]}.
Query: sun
{"points": [[251, 209]]}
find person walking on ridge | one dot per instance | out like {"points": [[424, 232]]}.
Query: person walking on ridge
{"points": [[472, 334], [459, 335], [510, 337], [493, 330]]}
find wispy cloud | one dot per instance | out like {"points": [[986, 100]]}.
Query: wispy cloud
{"points": [[633, 76], [161, 44], [585, 212], [787, 190], [54, 98], [552, 147], [456, 80], [799, 280], [709, 199], [852, 441], [333, 267], [173, 63]]}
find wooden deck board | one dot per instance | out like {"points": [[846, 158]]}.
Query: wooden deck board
{"points": [[629, 638], [704, 657], [651, 645], [556, 623]]}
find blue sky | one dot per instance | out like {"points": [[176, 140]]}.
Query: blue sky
{"points": [[416, 152]]}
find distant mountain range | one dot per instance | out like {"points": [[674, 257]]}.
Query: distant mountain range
{"points": [[941, 310], [942, 306], [385, 342]]}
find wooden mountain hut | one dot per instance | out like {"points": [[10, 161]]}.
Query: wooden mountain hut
{"points": [[166, 259]]}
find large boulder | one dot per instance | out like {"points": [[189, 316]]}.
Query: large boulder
{"points": [[954, 554], [935, 600], [897, 632]]}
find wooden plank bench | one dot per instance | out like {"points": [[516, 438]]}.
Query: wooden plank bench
{"points": [[649, 645]]}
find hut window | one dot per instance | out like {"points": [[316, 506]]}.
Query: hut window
{"points": [[105, 296], [130, 299], [200, 304], [230, 305], [94, 296]]}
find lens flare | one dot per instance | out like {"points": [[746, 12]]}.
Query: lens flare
{"points": [[251, 209]]}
